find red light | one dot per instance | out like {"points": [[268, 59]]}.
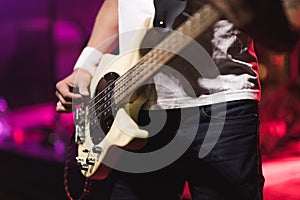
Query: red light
{"points": [[278, 60], [18, 136]]}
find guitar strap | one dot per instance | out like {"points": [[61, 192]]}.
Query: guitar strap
{"points": [[171, 13], [166, 11]]}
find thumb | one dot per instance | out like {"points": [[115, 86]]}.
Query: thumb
{"points": [[83, 88]]}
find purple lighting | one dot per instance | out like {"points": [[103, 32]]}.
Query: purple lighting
{"points": [[3, 105], [5, 131], [1, 129]]}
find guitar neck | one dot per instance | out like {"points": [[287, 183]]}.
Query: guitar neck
{"points": [[153, 61]]}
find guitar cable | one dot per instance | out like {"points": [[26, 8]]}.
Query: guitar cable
{"points": [[88, 182]]}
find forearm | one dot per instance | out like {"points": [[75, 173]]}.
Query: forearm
{"points": [[104, 37]]}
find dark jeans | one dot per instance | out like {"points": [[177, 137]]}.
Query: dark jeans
{"points": [[230, 170]]}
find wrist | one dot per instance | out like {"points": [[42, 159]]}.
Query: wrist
{"points": [[89, 59]]}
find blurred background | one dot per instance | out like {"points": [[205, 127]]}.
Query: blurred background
{"points": [[40, 41]]}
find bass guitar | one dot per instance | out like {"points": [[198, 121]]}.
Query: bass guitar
{"points": [[117, 84]]}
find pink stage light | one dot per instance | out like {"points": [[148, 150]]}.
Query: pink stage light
{"points": [[1, 130], [3, 105], [18, 136], [277, 128]]}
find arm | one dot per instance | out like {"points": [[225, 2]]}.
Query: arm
{"points": [[103, 38], [105, 28]]}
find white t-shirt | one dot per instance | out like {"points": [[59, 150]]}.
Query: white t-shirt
{"points": [[231, 51], [132, 14]]}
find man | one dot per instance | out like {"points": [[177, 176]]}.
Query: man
{"points": [[217, 126]]}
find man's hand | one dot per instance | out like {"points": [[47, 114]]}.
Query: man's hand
{"points": [[65, 90]]}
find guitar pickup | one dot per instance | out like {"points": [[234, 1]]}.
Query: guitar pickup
{"points": [[97, 149], [90, 160], [84, 167], [81, 162], [79, 134]]}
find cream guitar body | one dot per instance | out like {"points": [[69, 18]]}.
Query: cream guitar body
{"points": [[93, 148]]}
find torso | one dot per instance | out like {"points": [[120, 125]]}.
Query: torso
{"points": [[231, 51]]}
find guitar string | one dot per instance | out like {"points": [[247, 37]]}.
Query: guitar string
{"points": [[140, 63], [106, 102], [128, 74], [125, 76]]}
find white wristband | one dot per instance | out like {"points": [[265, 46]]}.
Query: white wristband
{"points": [[89, 59]]}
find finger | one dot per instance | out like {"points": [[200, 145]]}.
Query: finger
{"points": [[83, 88], [66, 92], [64, 106], [64, 101], [62, 109]]}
